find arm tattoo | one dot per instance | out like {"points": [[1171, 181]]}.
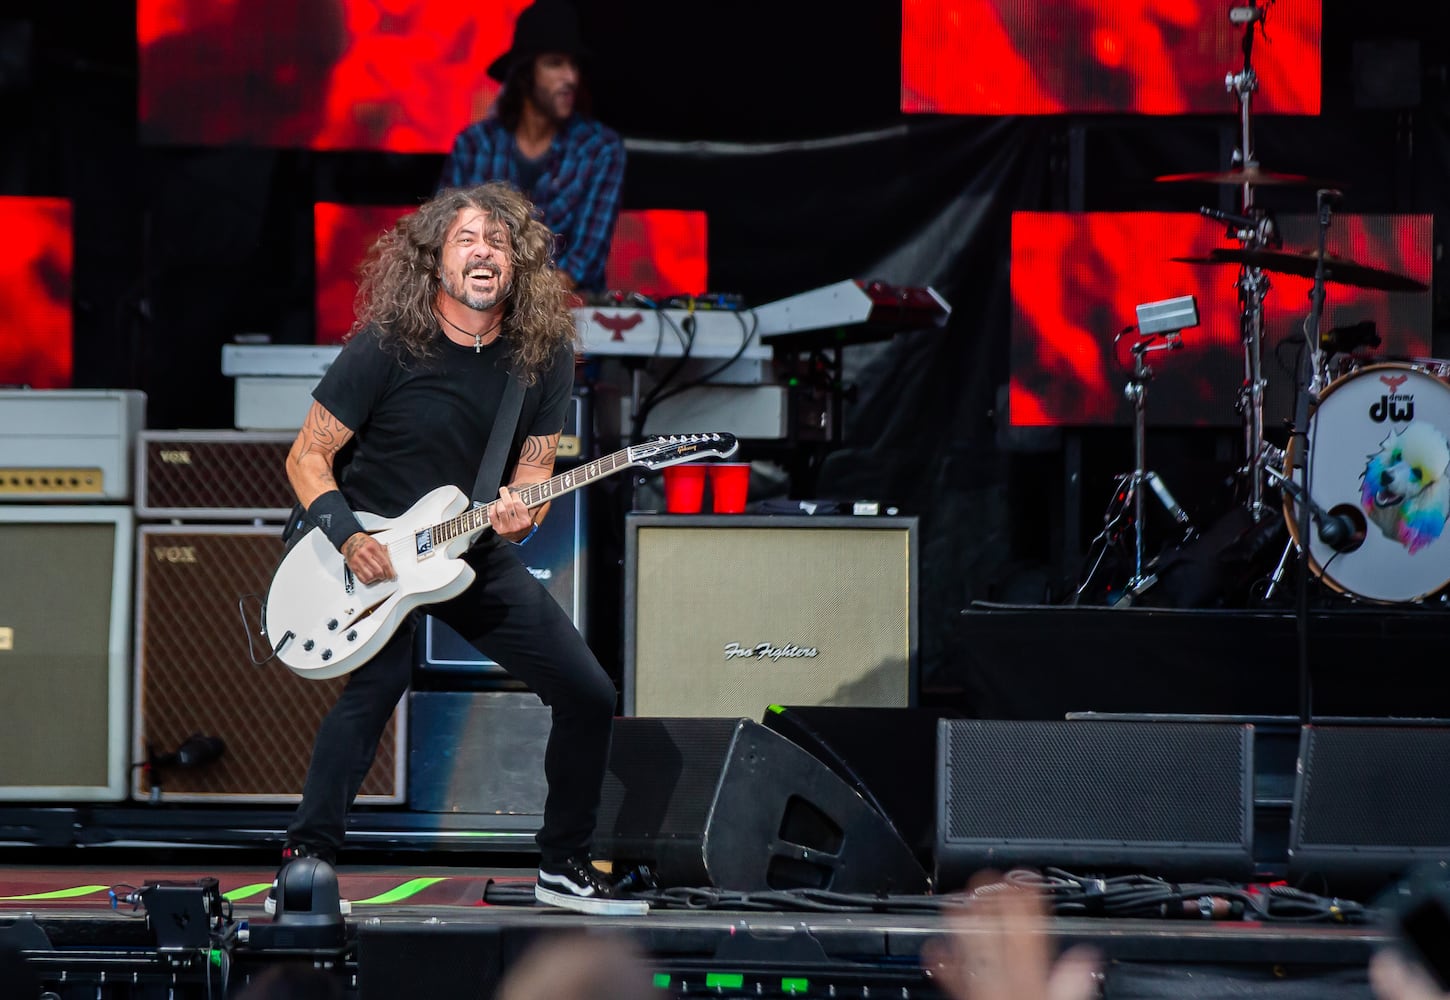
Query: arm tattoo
{"points": [[322, 433], [539, 452]]}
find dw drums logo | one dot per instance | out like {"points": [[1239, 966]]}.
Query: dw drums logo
{"points": [[1394, 406]]}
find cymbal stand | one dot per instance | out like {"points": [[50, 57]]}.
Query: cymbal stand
{"points": [[1252, 283]]}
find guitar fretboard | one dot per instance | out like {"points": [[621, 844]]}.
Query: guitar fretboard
{"points": [[533, 495]]}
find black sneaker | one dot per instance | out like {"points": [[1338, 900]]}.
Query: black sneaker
{"points": [[291, 853], [576, 884]]}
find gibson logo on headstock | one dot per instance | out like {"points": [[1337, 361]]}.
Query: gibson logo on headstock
{"points": [[767, 651]]}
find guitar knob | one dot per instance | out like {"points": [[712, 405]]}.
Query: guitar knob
{"points": [[307, 644], [352, 635], [332, 625], [327, 654]]}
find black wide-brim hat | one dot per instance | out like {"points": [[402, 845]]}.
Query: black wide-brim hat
{"points": [[543, 26]]}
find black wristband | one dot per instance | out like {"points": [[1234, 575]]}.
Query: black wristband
{"points": [[331, 513]]}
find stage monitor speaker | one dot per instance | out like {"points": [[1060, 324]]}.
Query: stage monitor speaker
{"points": [[886, 755], [556, 556], [65, 596], [1369, 804], [728, 803], [195, 676], [726, 615], [1154, 798]]}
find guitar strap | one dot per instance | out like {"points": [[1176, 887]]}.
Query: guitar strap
{"points": [[490, 470], [500, 442]]}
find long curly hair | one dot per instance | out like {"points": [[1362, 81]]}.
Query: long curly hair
{"points": [[399, 279]]}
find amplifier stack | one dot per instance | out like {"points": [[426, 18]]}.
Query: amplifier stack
{"points": [[66, 539], [212, 505]]}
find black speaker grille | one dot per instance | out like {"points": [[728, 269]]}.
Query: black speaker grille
{"points": [[662, 775], [1081, 782], [1371, 787]]}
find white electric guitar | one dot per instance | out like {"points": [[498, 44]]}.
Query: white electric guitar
{"points": [[323, 622]]}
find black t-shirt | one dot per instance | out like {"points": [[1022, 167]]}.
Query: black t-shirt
{"points": [[421, 423]]}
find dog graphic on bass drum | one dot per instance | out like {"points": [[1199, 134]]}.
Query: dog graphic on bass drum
{"points": [[1406, 485]]}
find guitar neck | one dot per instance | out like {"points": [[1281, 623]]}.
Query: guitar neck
{"points": [[472, 521]]}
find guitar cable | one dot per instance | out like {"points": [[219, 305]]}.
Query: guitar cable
{"points": [[261, 631]]}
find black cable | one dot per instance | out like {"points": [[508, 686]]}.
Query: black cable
{"points": [[662, 391], [747, 334]]}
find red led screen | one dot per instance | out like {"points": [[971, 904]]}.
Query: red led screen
{"points": [[659, 252], [1077, 278], [656, 252], [400, 75], [35, 292], [1156, 57]]}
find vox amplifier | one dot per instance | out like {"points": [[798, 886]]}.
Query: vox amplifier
{"points": [[195, 676], [213, 475]]}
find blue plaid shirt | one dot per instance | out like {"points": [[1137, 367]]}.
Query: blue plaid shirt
{"points": [[577, 193]]}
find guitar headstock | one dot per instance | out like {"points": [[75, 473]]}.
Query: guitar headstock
{"points": [[659, 452]]}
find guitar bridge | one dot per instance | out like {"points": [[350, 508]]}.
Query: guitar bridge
{"points": [[348, 583]]}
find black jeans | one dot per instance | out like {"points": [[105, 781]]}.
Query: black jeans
{"points": [[508, 616]]}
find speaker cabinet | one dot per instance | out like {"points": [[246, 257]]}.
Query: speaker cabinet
{"points": [[728, 803], [900, 783], [726, 615], [1156, 798], [65, 595], [213, 475], [556, 556], [195, 675], [1369, 804]]}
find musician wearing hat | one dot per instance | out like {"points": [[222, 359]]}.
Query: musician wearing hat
{"points": [[539, 137]]}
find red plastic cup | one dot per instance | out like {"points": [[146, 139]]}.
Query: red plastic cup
{"points": [[730, 485], [684, 488]]}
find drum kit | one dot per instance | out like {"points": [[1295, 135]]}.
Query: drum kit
{"points": [[1365, 478]]}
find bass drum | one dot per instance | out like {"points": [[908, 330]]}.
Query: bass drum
{"points": [[1379, 445]]}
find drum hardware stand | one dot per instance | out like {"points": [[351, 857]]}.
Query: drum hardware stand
{"points": [[1254, 230], [1312, 382], [1129, 487]]}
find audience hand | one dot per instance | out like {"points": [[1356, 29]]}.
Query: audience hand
{"points": [[999, 948], [1392, 976]]}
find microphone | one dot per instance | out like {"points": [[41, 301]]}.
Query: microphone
{"points": [[199, 749], [1240, 16], [1343, 339], [1329, 196], [1229, 218], [1341, 528], [194, 752], [1263, 227]]}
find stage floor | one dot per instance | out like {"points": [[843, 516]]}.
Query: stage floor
{"points": [[430, 928]]}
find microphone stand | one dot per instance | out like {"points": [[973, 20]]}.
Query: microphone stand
{"points": [[1308, 388]]}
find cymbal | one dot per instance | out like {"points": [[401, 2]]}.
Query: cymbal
{"points": [[1302, 263], [1253, 176]]}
